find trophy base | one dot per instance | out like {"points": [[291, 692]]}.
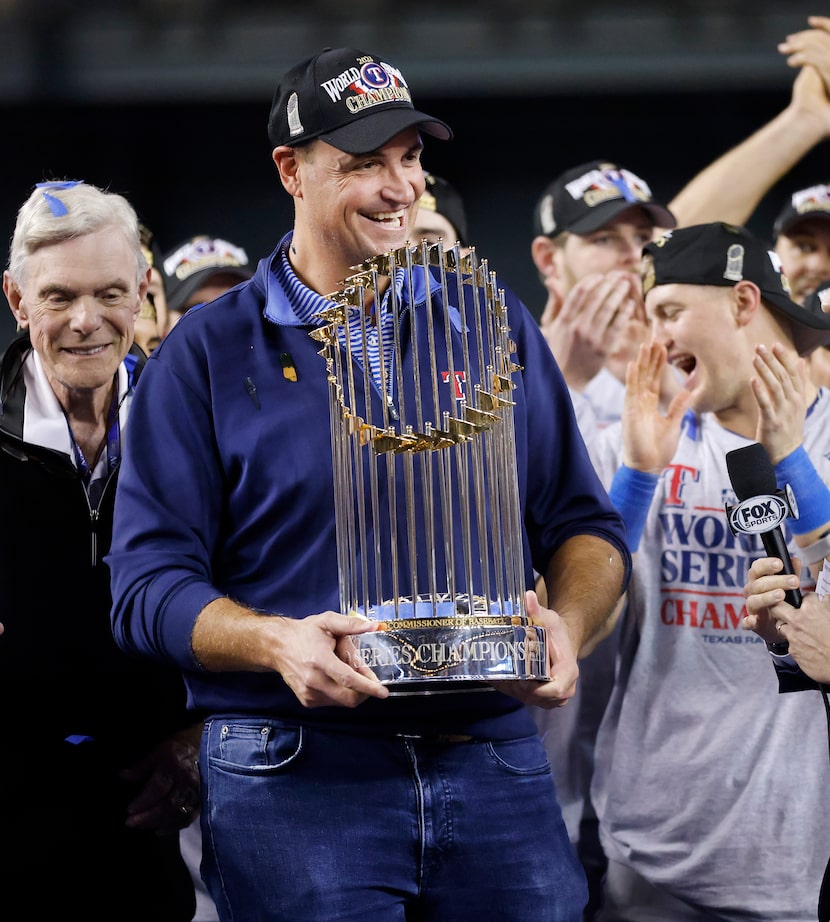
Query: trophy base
{"points": [[422, 656]]}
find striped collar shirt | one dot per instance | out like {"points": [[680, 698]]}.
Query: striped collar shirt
{"points": [[308, 304]]}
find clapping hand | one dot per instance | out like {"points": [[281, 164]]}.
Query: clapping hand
{"points": [[650, 436]]}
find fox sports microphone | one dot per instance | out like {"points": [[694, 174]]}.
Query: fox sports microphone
{"points": [[761, 506]]}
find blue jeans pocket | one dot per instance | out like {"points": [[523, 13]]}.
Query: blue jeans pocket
{"points": [[253, 746], [520, 756]]}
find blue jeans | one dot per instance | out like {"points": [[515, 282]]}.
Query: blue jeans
{"points": [[307, 823]]}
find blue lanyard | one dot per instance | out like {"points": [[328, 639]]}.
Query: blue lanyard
{"points": [[113, 443]]}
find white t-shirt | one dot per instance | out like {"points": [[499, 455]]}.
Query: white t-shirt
{"points": [[708, 782]]}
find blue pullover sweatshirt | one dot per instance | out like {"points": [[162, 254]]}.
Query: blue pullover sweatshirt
{"points": [[226, 489]]}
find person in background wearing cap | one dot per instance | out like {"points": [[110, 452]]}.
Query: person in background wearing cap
{"points": [[731, 188], [324, 796], [693, 782], [802, 241], [590, 226], [441, 214], [198, 270], [99, 767]]}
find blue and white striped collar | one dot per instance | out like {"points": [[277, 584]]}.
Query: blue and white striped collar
{"points": [[291, 301]]}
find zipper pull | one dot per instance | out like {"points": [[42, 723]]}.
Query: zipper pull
{"points": [[390, 404], [93, 534]]}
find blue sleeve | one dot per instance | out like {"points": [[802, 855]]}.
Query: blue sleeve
{"points": [[169, 488]]}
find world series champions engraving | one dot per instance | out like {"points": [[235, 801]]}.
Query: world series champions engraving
{"points": [[427, 511]]}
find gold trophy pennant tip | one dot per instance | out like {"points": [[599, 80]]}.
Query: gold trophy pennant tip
{"points": [[390, 442], [462, 430], [480, 417], [492, 402]]}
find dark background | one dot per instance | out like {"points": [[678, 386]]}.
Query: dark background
{"points": [[188, 145]]}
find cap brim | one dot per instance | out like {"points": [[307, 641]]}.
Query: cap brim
{"points": [[177, 298], [811, 329], [376, 128], [600, 215]]}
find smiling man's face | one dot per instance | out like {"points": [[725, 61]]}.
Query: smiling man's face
{"points": [[79, 300]]}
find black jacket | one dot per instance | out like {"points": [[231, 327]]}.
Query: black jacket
{"points": [[62, 680]]}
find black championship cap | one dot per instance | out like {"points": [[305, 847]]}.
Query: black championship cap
{"points": [[585, 198], [806, 203], [444, 199], [352, 100], [193, 263], [723, 254]]}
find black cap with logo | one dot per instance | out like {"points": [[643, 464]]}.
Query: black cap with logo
{"points": [[352, 100], [724, 254], [585, 198], [813, 202], [191, 264]]}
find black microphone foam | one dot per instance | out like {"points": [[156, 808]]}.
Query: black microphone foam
{"points": [[752, 474], [751, 471]]}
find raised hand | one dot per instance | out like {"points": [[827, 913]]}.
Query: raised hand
{"points": [[782, 391], [810, 47], [586, 327], [650, 436]]}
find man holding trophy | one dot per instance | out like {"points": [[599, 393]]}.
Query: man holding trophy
{"points": [[344, 475]]}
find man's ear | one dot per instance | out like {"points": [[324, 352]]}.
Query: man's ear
{"points": [[15, 298], [546, 259], [542, 250], [287, 164], [747, 301]]}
